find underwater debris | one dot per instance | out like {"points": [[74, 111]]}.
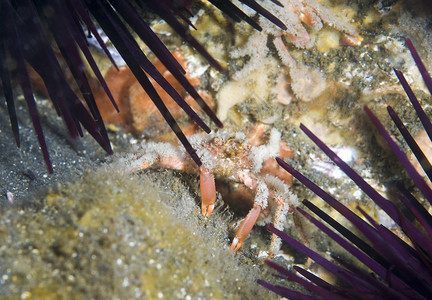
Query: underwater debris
{"points": [[401, 270]]}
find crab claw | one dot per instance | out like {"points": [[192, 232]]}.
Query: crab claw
{"points": [[208, 191], [245, 227]]}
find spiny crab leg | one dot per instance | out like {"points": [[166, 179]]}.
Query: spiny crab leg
{"points": [[279, 222], [208, 191], [246, 227]]}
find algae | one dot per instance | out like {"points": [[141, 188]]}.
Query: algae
{"points": [[114, 235]]}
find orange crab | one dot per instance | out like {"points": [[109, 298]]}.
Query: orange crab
{"points": [[239, 159]]}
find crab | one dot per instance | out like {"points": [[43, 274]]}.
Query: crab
{"points": [[240, 159]]}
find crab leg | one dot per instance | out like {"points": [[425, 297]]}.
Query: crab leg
{"points": [[278, 223], [260, 203], [245, 227], [208, 191]]}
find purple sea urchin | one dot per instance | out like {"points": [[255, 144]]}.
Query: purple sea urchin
{"points": [[400, 270], [28, 29]]}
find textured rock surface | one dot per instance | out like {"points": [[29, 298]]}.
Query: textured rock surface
{"points": [[112, 235]]}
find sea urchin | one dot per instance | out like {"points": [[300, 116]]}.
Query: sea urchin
{"points": [[397, 269], [31, 32]]}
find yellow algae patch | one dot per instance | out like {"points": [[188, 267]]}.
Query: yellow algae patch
{"points": [[209, 30]]}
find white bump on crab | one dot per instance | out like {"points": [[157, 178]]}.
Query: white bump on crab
{"points": [[197, 140], [280, 191], [262, 194], [279, 210], [199, 143], [207, 158], [259, 154], [279, 188]]}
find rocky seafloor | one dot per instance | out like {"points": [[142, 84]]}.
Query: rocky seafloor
{"points": [[93, 230]]}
